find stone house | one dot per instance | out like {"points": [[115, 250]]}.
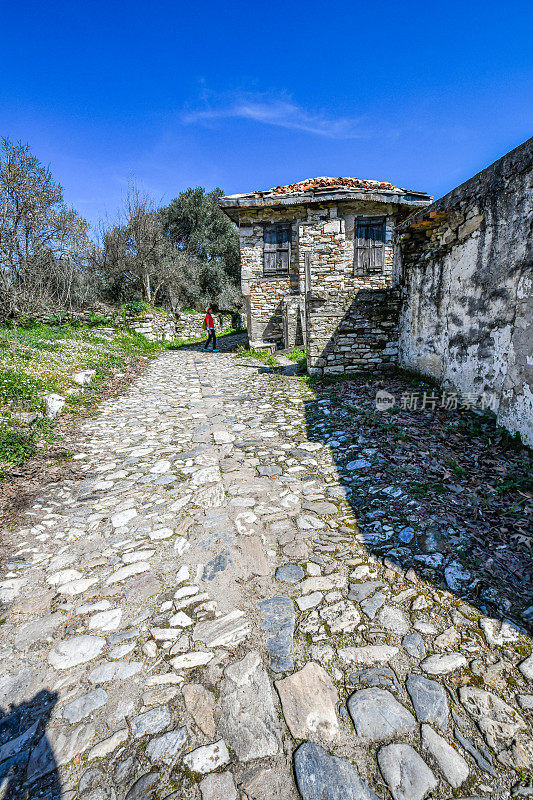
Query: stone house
{"points": [[318, 268], [369, 276]]}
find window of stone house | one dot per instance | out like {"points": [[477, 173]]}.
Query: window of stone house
{"points": [[369, 245], [277, 250]]}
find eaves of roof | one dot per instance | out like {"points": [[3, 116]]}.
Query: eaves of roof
{"points": [[232, 204]]}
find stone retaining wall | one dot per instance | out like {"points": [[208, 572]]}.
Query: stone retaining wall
{"points": [[467, 279], [189, 326], [364, 338], [153, 326]]}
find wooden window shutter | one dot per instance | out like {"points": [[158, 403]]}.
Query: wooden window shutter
{"points": [[369, 246], [277, 250]]}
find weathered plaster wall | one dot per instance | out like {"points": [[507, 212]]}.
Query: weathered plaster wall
{"points": [[466, 275]]}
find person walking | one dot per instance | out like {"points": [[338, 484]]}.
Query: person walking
{"points": [[210, 328]]}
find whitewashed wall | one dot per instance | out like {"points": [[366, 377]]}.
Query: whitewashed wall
{"points": [[467, 277]]}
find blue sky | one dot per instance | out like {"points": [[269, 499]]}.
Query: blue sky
{"points": [[247, 96]]}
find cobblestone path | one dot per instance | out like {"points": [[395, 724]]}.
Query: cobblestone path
{"points": [[198, 617]]}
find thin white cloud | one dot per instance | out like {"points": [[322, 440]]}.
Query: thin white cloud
{"points": [[281, 112]]}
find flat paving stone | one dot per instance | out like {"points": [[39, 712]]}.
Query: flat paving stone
{"points": [[248, 719], [83, 706], [219, 786], [321, 776], [207, 758], [443, 664], [378, 716], [142, 786], [405, 772], [414, 645], [394, 620], [291, 573], [167, 747], [113, 671], [308, 700], [278, 622], [372, 604], [228, 630], [78, 650], [153, 721], [453, 766], [200, 703], [429, 700]]}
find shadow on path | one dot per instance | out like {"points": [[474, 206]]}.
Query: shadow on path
{"points": [[443, 492], [27, 765], [226, 343]]}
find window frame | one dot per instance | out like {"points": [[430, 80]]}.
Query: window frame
{"points": [[365, 254], [283, 246]]}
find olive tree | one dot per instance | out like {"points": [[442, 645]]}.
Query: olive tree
{"points": [[44, 244]]}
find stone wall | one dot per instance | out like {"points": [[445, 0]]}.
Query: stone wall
{"points": [[318, 304], [354, 334], [264, 295], [351, 321], [153, 326], [190, 326], [466, 274]]}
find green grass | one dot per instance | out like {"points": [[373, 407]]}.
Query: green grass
{"points": [[40, 358], [21, 391], [15, 446], [300, 357], [37, 359], [258, 355], [454, 466]]}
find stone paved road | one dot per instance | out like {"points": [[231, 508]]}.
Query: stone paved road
{"points": [[199, 618]]}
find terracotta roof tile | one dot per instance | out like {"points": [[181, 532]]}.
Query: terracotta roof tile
{"points": [[332, 184]]}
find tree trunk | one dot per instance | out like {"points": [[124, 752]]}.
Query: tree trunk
{"points": [[146, 288]]}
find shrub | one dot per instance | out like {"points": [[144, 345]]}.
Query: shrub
{"points": [[134, 307], [95, 320]]}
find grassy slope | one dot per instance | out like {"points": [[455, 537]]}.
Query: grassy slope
{"points": [[40, 359]]}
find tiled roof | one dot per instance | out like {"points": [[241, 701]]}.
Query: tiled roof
{"points": [[317, 190], [331, 184]]}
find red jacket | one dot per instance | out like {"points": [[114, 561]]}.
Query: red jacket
{"points": [[209, 324]]}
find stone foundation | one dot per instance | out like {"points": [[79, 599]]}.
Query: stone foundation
{"points": [[365, 338]]}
